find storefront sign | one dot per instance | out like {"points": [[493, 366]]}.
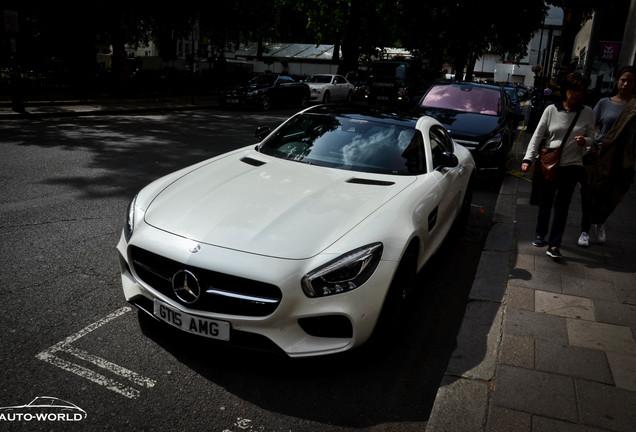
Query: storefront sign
{"points": [[608, 51]]}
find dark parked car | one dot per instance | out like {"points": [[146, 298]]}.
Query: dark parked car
{"points": [[397, 82], [264, 91], [478, 116]]}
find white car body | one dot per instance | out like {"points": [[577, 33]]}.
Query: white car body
{"points": [[327, 88], [248, 218]]}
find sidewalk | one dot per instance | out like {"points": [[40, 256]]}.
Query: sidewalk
{"points": [[545, 346]]}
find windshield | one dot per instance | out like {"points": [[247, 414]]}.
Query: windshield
{"points": [[349, 143], [466, 98], [321, 79], [263, 80], [388, 70]]}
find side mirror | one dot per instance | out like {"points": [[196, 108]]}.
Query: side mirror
{"points": [[262, 132], [447, 160]]}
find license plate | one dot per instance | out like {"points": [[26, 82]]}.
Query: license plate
{"points": [[193, 324], [384, 98], [233, 101]]}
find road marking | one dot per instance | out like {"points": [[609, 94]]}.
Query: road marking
{"points": [[50, 356]]}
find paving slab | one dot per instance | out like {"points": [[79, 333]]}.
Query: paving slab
{"points": [[502, 419], [623, 369], [543, 424], [564, 305], [601, 336], [535, 325], [460, 405], [606, 406], [578, 362], [476, 357], [536, 392]]}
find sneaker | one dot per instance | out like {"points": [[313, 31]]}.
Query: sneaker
{"points": [[554, 252], [600, 233], [584, 239], [538, 242]]}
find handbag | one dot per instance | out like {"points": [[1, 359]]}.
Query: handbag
{"points": [[550, 157]]}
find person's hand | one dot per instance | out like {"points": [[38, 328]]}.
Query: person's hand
{"points": [[525, 167], [580, 140]]}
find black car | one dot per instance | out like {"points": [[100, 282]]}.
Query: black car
{"points": [[398, 83], [478, 116], [264, 91]]}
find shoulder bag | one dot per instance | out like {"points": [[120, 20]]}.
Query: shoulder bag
{"points": [[550, 157]]}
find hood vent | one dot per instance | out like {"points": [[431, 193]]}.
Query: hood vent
{"points": [[370, 182], [253, 162]]}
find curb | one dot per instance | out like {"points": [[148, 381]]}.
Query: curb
{"points": [[463, 397]]}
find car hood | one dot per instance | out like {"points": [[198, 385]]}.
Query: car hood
{"points": [[465, 125], [277, 208]]}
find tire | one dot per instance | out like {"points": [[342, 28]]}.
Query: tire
{"points": [[396, 301], [266, 103], [326, 98], [464, 212], [304, 101]]}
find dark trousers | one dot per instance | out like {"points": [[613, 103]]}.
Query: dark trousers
{"points": [[558, 195]]}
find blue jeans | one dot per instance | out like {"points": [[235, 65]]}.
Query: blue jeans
{"points": [[558, 195]]}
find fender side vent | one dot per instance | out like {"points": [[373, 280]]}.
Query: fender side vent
{"points": [[370, 182], [253, 162]]}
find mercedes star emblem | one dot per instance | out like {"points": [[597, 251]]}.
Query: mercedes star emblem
{"points": [[186, 286]]}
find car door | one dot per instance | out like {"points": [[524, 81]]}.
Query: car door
{"points": [[449, 179], [283, 90], [340, 87]]}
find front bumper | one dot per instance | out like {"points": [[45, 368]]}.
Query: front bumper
{"points": [[299, 326]]}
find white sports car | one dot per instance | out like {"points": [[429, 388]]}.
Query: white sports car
{"points": [[308, 242], [327, 88]]}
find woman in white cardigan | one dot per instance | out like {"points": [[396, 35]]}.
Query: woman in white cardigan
{"points": [[557, 194]]}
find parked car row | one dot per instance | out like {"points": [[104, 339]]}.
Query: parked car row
{"points": [[481, 117], [309, 242]]}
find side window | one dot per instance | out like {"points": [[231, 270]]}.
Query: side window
{"points": [[414, 156], [339, 80], [440, 144]]}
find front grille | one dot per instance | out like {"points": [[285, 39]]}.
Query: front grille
{"points": [[220, 292]]}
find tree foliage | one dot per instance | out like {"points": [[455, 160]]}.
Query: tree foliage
{"points": [[458, 32]]}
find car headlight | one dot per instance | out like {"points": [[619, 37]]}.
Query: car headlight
{"points": [[129, 226], [493, 144], [313, 90], [344, 273]]}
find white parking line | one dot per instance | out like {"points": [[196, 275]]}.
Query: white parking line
{"points": [[49, 356]]}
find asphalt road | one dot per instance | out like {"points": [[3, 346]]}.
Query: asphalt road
{"points": [[67, 332]]}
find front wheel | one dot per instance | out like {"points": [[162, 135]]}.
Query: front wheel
{"points": [[464, 212], [304, 101], [326, 98], [266, 103], [396, 301]]}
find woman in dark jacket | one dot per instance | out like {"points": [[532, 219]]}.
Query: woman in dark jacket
{"points": [[607, 181]]}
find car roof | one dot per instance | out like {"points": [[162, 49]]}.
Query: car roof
{"points": [[467, 83], [366, 113]]}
